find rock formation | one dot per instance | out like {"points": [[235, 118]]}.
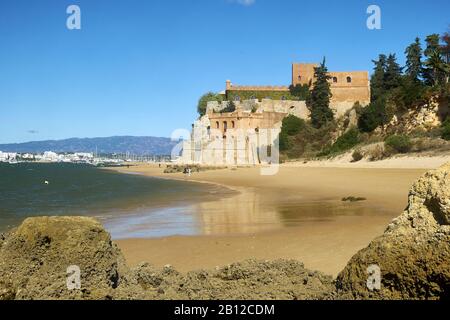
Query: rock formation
{"points": [[34, 259], [414, 252]]}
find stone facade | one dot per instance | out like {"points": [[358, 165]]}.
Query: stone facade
{"points": [[347, 87], [249, 135]]}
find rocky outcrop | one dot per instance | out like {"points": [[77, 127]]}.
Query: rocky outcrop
{"points": [[34, 260], [424, 117], [281, 279], [413, 254]]}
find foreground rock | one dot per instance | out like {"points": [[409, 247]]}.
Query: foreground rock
{"points": [[34, 260], [35, 257], [414, 252], [281, 279]]}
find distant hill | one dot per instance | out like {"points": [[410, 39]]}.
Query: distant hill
{"points": [[118, 144]]}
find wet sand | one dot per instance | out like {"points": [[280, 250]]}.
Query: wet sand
{"points": [[295, 214]]}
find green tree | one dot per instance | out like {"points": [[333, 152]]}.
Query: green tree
{"points": [[291, 126], [372, 115], [437, 69], [393, 73], [410, 94], [433, 46], [319, 104], [446, 47], [204, 99], [432, 42], [414, 65], [377, 80], [300, 91]]}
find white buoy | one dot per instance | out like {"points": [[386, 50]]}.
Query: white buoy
{"points": [[46, 182]]}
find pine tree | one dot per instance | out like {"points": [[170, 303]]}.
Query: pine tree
{"points": [[393, 74], [321, 113], [377, 80], [414, 65]]}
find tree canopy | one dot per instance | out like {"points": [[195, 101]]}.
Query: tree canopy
{"points": [[204, 99], [319, 103]]}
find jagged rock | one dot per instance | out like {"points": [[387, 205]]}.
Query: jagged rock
{"points": [[34, 260], [251, 279], [414, 252], [424, 117]]}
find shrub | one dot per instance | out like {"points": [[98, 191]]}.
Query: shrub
{"points": [[357, 156], [446, 130], [292, 125], [345, 142], [376, 153], [231, 107], [399, 143], [203, 101], [284, 141], [372, 116]]}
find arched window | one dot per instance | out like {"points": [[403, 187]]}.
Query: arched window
{"points": [[225, 126], [232, 124], [334, 79], [349, 79], [217, 125]]}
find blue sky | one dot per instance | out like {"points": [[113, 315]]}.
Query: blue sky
{"points": [[138, 67]]}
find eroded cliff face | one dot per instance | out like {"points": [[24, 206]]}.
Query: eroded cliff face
{"points": [[414, 252]]}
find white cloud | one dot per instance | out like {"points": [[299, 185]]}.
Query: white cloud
{"points": [[246, 3]]}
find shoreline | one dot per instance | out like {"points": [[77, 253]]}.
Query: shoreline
{"points": [[323, 243]]}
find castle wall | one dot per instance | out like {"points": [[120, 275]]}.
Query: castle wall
{"points": [[347, 86]]}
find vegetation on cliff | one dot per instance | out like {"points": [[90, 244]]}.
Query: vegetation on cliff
{"points": [[408, 105], [204, 99]]}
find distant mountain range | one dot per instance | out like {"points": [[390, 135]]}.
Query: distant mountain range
{"points": [[118, 144]]}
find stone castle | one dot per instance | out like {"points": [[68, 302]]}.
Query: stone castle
{"points": [[249, 135]]}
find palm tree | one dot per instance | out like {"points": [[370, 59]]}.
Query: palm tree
{"points": [[439, 70]]}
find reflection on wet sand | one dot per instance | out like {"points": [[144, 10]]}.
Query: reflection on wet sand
{"points": [[251, 212]]}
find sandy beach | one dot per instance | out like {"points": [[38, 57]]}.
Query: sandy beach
{"points": [[295, 214]]}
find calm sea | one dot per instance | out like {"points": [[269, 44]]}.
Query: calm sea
{"points": [[119, 201]]}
